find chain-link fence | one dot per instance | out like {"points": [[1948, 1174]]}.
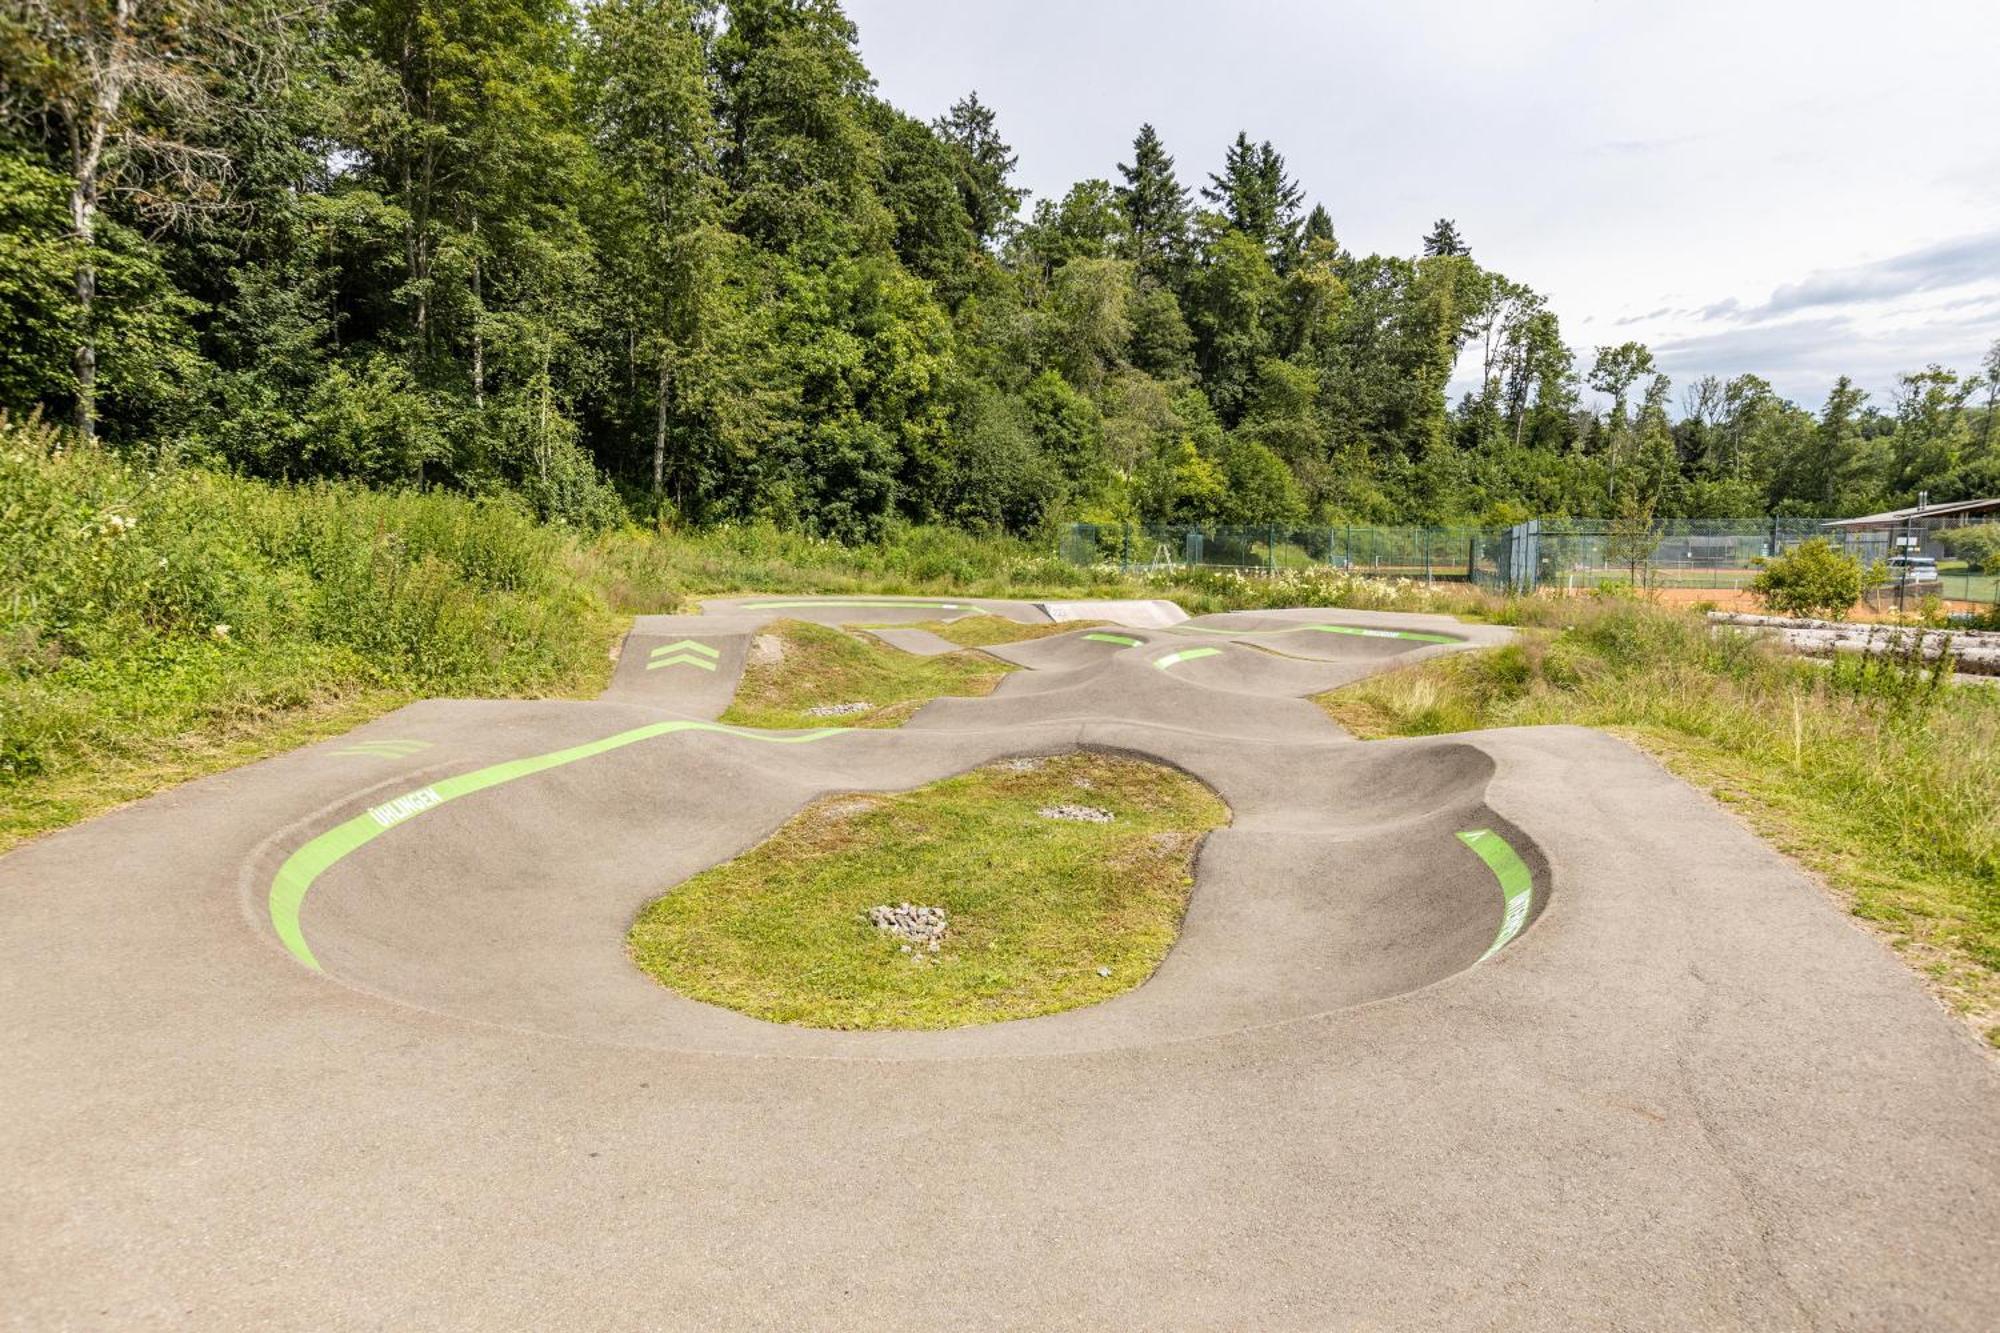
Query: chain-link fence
{"points": [[1433, 554], [1908, 564]]}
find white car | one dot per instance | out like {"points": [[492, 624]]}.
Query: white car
{"points": [[1906, 570]]}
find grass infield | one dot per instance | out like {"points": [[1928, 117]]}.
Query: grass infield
{"points": [[1045, 915]]}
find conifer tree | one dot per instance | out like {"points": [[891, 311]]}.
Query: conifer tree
{"points": [[1155, 205]]}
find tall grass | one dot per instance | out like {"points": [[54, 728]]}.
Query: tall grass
{"points": [[150, 614]]}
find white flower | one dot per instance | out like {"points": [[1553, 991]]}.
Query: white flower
{"points": [[220, 633]]}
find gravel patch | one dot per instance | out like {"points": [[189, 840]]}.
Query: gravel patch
{"points": [[767, 650], [1076, 814], [1023, 765], [839, 710], [922, 927]]}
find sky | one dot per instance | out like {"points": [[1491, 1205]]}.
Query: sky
{"points": [[1795, 188]]}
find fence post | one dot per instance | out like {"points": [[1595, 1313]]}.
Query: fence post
{"points": [[1427, 557]]}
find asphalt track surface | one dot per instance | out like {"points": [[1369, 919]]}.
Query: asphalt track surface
{"points": [[1497, 1030]]}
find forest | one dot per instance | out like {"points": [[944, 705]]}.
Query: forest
{"points": [[676, 259]]}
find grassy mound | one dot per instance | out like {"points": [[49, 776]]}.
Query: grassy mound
{"points": [[824, 667], [1040, 910]]}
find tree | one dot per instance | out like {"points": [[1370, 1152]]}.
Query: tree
{"points": [[1634, 537], [1258, 196], [1445, 240], [985, 166], [919, 187], [127, 94], [798, 156], [1233, 298], [1085, 324], [1991, 368], [1614, 372], [1813, 579], [657, 134], [1086, 224], [1155, 205], [1932, 434], [1319, 230]]}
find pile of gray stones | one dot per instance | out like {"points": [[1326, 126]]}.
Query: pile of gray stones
{"points": [[1077, 814], [838, 710], [922, 927]]}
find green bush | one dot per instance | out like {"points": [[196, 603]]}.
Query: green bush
{"points": [[1977, 546], [1812, 579]]}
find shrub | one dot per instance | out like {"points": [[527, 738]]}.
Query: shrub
{"points": [[1812, 579], [1977, 546]]}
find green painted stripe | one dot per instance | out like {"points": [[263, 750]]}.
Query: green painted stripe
{"points": [[680, 661], [1114, 638], [1357, 630], [1363, 632], [918, 606], [386, 749], [308, 863], [685, 645], [1517, 883], [1186, 655]]}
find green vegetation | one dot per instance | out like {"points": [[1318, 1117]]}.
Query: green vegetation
{"points": [[1880, 775], [1813, 579], [166, 621], [163, 623], [819, 667], [1976, 547], [678, 258], [1036, 907]]}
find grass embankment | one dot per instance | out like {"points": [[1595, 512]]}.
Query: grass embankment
{"points": [[1879, 776], [1039, 910], [163, 623], [813, 666], [819, 667]]}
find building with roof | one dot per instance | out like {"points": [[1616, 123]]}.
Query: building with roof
{"points": [[1956, 514]]}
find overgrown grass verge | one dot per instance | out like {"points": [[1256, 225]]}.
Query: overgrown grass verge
{"points": [[162, 623], [1044, 915], [1880, 776], [820, 667]]}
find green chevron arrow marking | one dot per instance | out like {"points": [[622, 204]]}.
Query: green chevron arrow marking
{"points": [[1410, 635], [1517, 883], [308, 863], [681, 659], [1186, 655], [1124, 639], [685, 645]]}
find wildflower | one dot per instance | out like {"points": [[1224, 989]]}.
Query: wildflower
{"points": [[220, 633]]}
